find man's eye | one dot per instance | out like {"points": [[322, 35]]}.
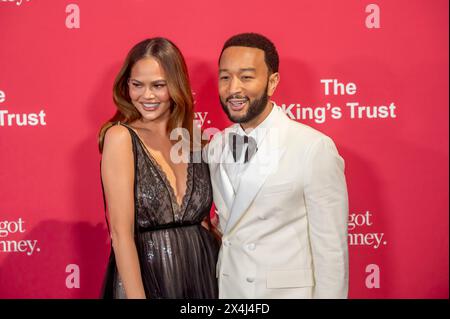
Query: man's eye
{"points": [[224, 77], [247, 77]]}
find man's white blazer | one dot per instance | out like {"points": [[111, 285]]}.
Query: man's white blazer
{"points": [[285, 228]]}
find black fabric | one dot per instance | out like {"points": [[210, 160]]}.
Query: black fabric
{"points": [[237, 143], [177, 255]]}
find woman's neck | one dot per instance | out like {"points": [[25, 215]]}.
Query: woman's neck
{"points": [[158, 127]]}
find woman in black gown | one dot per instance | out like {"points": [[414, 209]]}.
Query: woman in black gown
{"points": [[158, 206]]}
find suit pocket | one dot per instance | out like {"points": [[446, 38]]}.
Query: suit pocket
{"points": [[290, 278], [277, 189]]}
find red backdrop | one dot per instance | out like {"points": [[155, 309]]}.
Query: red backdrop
{"points": [[58, 60]]}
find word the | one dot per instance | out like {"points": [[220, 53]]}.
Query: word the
{"points": [[338, 88]]}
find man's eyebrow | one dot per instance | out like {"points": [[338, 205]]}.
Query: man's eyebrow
{"points": [[240, 70]]}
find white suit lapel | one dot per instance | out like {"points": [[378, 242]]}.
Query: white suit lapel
{"points": [[263, 163], [219, 182], [220, 179]]}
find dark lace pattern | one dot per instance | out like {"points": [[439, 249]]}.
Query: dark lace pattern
{"points": [[177, 255]]}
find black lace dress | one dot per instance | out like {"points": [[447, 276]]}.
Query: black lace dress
{"points": [[177, 255]]}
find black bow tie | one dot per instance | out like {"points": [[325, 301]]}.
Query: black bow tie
{"points": [[237, 142]]}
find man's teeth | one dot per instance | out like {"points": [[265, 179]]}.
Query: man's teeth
{"points": [[237, 103]]}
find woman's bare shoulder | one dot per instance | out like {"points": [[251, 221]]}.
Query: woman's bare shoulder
{"points": [[117, 136]]}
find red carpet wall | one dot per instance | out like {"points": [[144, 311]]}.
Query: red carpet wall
{"points": [[373, 76]]}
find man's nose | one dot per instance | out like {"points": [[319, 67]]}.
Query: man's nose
{"points": [[235, 86]]}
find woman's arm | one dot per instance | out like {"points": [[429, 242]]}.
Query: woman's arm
{"points": [[117, 171]]}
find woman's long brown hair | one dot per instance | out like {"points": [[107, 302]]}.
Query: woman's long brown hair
{"points": [[172, 62]]}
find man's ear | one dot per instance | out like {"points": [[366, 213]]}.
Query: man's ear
{"points": [[274, 79]]}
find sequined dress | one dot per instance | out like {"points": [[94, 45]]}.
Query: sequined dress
{"points": [[177, 255]]}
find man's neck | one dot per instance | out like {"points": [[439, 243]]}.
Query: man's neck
{"points": [[252, 124]]}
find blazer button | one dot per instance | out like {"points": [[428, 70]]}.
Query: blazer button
{"points": [[250, 279], [251, 246], [227, 243]]}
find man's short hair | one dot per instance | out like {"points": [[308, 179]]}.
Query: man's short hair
{"points": [[255, 40]]}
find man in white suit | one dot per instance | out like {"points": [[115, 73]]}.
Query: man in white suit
{"points": [[278, 186]]}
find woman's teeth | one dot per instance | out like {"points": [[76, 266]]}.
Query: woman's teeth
{"points": [[150, 106]]}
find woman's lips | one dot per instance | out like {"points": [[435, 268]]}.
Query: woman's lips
{"points": [[150, 106]]}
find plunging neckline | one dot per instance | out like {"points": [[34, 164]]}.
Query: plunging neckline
{"points": [[180, 205]]}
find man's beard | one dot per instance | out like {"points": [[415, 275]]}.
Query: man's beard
{"points": [[255, 108]]}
